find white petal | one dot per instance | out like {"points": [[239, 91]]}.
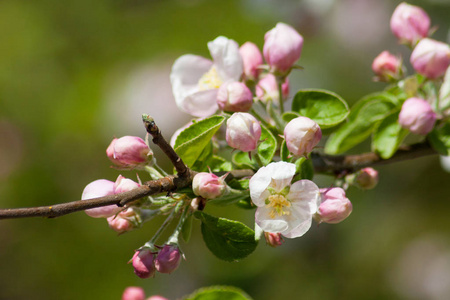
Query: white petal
{"points": [[304, 193], [298, 231], [281, 173], [263, 219], [258, 186], [201, 104], [226, 57], [186, 72]]}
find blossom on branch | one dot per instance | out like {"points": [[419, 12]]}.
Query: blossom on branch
{"points": [[196, 80], [283, 207]]}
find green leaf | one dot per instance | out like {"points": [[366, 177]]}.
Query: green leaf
{"points": [[304, 168], [364, 117], [284, 152], [439, 139], [219, 164], [227, 239], [233, 196], [186, 229], [289, 115], [326, 108], [218, 293], [191, 141], [388, 136], [202, 162]]}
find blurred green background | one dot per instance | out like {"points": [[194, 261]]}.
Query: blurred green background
{"points": [[74, 74]]}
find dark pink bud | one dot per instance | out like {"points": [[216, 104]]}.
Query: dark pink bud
{"points": [[234, 96], [133, 293], [431, 58], [387, 66], [410, 23], [129, 152], [168, 259], [335, 207], [243, 132], [143, 263], [417, 116], [100, 188], [252, 59], [366, 178], [273, 239]]}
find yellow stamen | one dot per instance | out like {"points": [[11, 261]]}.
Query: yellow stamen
{"points": [[210, 80], [278, 203]]}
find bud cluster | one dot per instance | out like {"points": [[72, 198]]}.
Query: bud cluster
{"points": [[146, 262]]}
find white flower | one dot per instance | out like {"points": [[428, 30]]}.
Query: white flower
{"points": [[283, 207], [196, 80]]}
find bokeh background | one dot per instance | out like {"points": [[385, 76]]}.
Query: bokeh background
{"points": [[74, 74]]}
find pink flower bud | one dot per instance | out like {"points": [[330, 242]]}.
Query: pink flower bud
{"points": [[143, 263], [302, 134], [243, 132], [410, 23], [431, 58], [267, 89], [129, 152], [168, 259], [123, 184], [234, 96], [208, 185], [335, 206], [156, 297], [126, 220], [387, 66], [417, 116], [100, 188], [273, 239], [252, 59], [282, 48], [366, 178], [133, 293]]}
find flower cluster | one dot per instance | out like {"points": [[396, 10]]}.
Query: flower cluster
{"points": [[148, 260]]}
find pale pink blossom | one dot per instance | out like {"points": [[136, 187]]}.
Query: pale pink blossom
{"points": [[129, 152], [196, 80], [133, 293], [302, 134], [126, 220], [234, 96], [410, 23], [100, 188], [366, 178], [267, 89], [208, 185], [123, 184], [252, 60], [431, 58], [387, 66], [243, 132], [283, 207], [417, 116], [334, 206]]}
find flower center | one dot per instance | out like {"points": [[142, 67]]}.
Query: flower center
{"points": [[278, 203], [210, 80]]}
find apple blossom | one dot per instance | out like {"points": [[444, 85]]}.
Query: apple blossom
{"points": [[143, 263], [267, 89], [168, 259], [283, 207], [126, 220], [417, 116], [273, 239], [129, 151], [282, 48], [243, 132], [431, 58], [157, 297], [366, 178], [334, 206], [302, 134], [387, 66], [133, 293], [208, 185], [100, 188], [410, 23], [196, 80], [123, 184], [252, 59], [234, 96]]}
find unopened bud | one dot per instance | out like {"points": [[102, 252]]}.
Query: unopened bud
{"points": [[208, 185], [334, 206], [143, 263], [302, 134], [234, 96], [100, 188], [157, 297], [126, 220], [431, 58], [123, 184], [410, 23], [387, 66], [366, 178], [267, 89], [168, 259], [273, 239], [129, 152], [282, 48], [243, 132], [252, 59], [417, 116], [133, 293]]}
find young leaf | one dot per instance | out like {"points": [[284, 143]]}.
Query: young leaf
{"points": [[219, 164], [218, 293], [326, 108], [191, 141], [362, 120], [227, 239], [284, 152], [388, 136], [289, 115], [186, 229], [439, 139]]}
